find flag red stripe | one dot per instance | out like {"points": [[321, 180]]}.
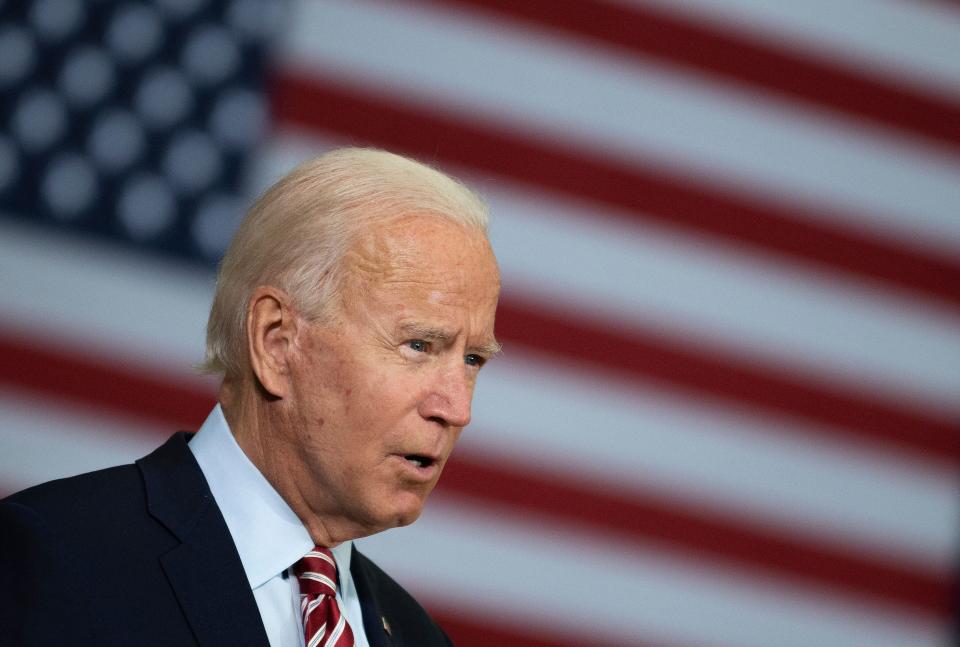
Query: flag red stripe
{"points": [[645, 192], [648, 355], [697, 533], [82, 380], [753, 62], [638, 518]]}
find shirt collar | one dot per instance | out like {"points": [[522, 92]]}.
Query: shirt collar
{"points": [[268, 534]]}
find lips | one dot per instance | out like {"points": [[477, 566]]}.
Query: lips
{"points": [[420, 460], [419, 467]]}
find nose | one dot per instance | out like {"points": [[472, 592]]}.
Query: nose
{"points": [[449, 399]]}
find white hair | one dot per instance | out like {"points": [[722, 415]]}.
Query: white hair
{"points": [[296, 234]]}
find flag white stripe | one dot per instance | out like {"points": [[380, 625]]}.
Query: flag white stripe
{"points": [[43, 439], [908, 43], [894, 185], [804, 320], [530, 412], [104, 299]]}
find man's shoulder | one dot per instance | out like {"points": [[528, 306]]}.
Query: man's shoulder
{"points": [[67, 493], [84, 554], [401, 615], [88, 506], [88, 509]]}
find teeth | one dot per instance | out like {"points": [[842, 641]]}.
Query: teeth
{"points": [[416, 461]]}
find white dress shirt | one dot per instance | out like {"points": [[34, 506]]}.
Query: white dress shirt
{"points": [[269, 536]]}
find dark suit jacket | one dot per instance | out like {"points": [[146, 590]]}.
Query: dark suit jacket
{"points": [[140, 555]]}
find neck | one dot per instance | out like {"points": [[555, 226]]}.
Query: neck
{"points": [[267, 438]]}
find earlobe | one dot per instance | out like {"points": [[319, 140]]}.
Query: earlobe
{"points": [[270, 338]]}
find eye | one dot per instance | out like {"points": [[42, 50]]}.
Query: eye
{"points": [[418, 345], [475, 360]]}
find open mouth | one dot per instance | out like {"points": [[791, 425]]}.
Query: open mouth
{"points": [[419, 460]]}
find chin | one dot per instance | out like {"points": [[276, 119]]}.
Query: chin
{"points": [[406, 515], [407, 518]]}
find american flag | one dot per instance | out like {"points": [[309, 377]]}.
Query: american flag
{"points": [[728, 409]]}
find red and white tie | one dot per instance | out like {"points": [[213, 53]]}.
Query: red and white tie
{"points": [[323, 623]]}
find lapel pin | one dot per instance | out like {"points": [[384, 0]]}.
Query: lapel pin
{"points": [[386, 626]]}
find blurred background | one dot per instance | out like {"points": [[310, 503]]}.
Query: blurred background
{"points": [[728, 408]]}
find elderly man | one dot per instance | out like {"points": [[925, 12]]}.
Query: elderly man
{"points": [[353, 312]]}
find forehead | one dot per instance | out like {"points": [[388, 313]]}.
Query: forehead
{"points": [[430, 254]]}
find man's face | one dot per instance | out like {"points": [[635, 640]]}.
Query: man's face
{"points": [[381, 395]]}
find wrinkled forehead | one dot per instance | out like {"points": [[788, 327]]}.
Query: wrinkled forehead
{"points": [[426, 249]]}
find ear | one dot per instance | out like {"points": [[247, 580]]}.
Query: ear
{"points": [[271, 335]]}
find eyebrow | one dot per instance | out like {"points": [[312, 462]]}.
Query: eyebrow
{"points": [[429, 333], [490, 348]]}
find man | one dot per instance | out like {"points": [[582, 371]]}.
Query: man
{"points": [[353, 312]]}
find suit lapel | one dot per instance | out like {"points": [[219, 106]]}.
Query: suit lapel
{"points": [[375, 624], [204, 571], [214, 594]]}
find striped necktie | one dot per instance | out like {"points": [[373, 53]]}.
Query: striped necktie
{"points": [[323, 623]]}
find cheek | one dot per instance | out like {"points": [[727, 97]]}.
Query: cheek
{"points": [[335, 388], [364, 406], [378, 387]]}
